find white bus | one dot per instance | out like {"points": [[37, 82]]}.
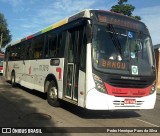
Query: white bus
{"points": [[95, 59]]}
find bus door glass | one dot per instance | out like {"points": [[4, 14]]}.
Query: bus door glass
{"points": [[71, 85], [74, 49]]}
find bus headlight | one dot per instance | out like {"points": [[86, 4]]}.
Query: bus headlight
{"points": [[99, 84], [153, 88]]}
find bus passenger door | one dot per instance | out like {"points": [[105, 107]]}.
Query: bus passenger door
{"points": [[73, 62], [71, 85]]}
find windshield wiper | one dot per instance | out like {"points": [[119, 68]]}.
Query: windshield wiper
{"points": [[115, 39]]}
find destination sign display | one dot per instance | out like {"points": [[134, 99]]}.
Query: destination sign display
{"points": [[112, 64], [120, 20]]}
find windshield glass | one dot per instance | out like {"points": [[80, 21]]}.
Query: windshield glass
{"points": [[122, 51]]}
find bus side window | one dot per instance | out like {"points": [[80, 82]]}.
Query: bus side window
{"points": [[29, 53], [18, 51], [52, 48], [46, 48], [12, 53], [77, 46], [6, 54], [82, 42], [38, 44], [23, 51], [59, 44], [72, 45]]}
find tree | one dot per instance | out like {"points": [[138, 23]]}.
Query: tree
{"points": [[125, 9], [5, 36]]}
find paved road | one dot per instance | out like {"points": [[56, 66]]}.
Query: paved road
{"points": [[21, 107]]}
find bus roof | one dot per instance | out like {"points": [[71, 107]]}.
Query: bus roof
{"points": [[83, 14]]}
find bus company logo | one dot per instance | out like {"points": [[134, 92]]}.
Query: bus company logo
{"points": [[130, 78], [6, 130]]}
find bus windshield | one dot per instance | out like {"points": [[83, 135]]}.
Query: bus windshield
{"points": [[121, 51]]}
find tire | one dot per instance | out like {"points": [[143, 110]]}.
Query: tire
{"points": [[13, 79], [52, 95]]}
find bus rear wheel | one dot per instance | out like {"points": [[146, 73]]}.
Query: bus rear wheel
{"points": [[52, 95]]}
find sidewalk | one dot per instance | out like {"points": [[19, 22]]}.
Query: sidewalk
{"points": [[158, 91]]}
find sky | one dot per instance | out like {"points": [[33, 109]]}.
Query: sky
{"points": [[25, 17]]}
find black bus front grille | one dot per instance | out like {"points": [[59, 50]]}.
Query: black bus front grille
{"points": [[129, 83]]}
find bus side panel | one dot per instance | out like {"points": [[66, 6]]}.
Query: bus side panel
{"points": [[32, 73], [81, 88], [13, 66], [46, 68], [90, 84], [59, 75], [27, 77], [18, 66], [10, 68], [39, 69]]}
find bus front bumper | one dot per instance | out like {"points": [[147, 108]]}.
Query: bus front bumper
{"points": [[1, 71], [96, 100]]}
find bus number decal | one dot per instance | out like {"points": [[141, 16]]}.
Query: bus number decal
{"points": [[59, 70], [43, 67]]}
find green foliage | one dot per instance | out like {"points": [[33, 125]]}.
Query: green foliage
{"points": [[125, 9], [5, 36], [137, 17]]}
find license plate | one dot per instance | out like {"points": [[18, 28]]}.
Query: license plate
{"points": [[129, 101]]}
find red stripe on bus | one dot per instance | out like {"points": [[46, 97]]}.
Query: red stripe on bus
{"points": [[119, 91], [59, 70], [1, 68], [29, 37]]}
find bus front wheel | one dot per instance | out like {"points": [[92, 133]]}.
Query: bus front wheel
{"points": [[52, 94]]}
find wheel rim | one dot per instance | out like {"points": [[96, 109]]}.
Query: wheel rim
{"points": [[53, 93]]}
